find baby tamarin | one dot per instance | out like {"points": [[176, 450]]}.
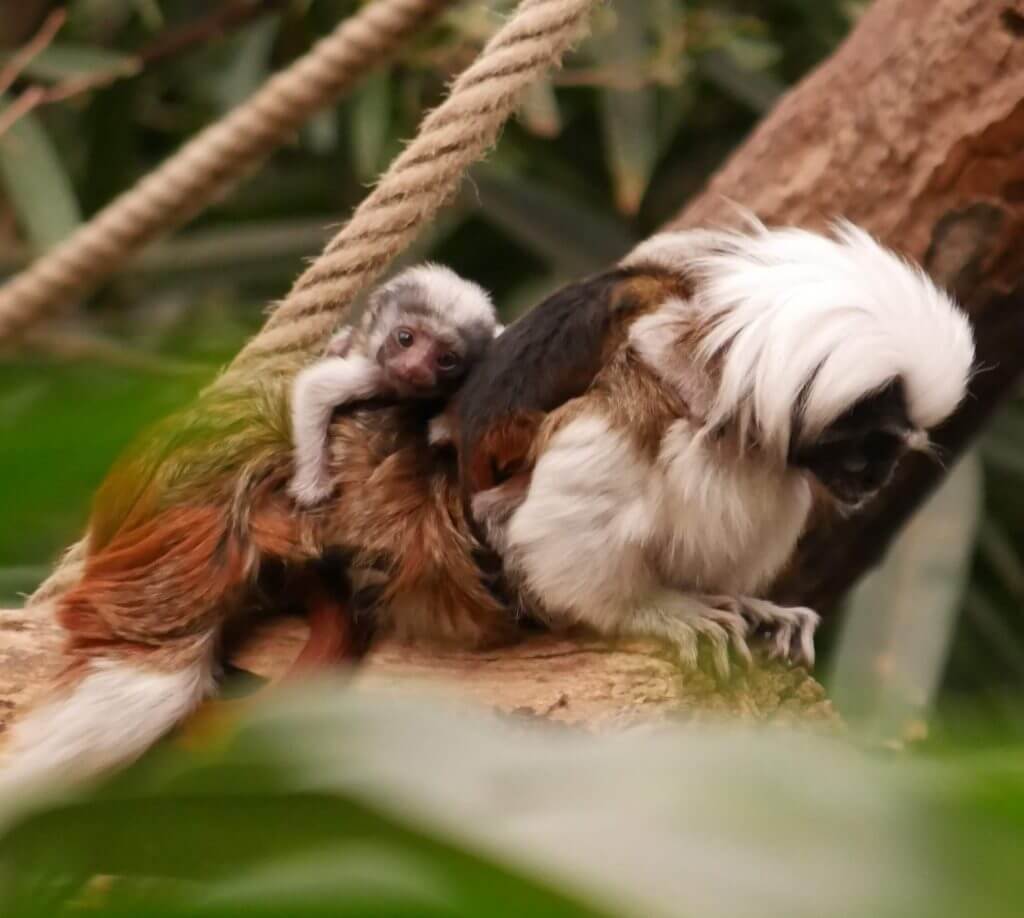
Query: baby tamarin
{"points": [[420, 334]]}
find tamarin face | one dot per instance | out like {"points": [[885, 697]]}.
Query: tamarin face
{"points": [[856, 455], [420, 361], [427, 327], [830, 349]]}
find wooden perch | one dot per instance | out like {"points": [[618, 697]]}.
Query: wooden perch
{"points": [[581, 682]]}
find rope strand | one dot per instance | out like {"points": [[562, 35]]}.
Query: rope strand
{"points": [[211, 163], [424, 176]]}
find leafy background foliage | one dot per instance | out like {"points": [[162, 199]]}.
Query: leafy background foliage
{"points": [[324, 802], [599, 157]]}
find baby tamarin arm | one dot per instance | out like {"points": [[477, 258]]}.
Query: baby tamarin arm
{"points": [[420, 334], [318, 391]]}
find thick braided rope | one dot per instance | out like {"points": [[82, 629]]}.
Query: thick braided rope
{"points": [[208, 165], [419, 181]]}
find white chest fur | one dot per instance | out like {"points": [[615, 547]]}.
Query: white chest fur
{"points": [[721, 523], [604, 526]]}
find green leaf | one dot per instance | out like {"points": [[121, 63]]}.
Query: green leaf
{"points": [[150, 13], [321, 132], [754, 88], [325, 801], [997, 548], [252, 834], [900, 620], [993, 622], [628, 116], [750, 51], [250, 64], [36, 183], [539, 112], [60, 427], [16, 582], [371, 115], [239, 251], [63, 60]]}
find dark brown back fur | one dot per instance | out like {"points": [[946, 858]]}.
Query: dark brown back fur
{"points": [[549, 356]]}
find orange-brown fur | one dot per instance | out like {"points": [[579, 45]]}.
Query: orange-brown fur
{"points": [[644, 415], [333, 634], [399, 501], [182, 573], [501, 453]]}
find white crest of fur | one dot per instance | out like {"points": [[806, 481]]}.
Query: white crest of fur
{"points": [[113, 715], [458, 303], [805, 322], [673, 252], [464, 300]]}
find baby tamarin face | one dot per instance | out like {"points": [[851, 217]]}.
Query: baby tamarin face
{"points": [[426, 328], [422, 360]]}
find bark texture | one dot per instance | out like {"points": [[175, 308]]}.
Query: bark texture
{"points": [[914, 129], [580, 682]]}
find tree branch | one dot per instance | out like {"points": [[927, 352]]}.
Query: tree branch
{"points": [[32, 49], [171, 43], [571, 681]]}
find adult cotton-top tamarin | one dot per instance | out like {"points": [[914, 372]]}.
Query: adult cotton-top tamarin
{"points": [[643, 447]]}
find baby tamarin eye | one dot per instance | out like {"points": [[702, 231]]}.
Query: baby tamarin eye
{"points": [[449, 362], [404, 337], [855, 463]]}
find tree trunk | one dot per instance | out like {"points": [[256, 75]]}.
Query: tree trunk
{"points": [[913, 129]]}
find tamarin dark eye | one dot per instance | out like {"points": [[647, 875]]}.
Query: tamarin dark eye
{"points": [[855, 463], [448, 361], [881, 447], [404, 337]]}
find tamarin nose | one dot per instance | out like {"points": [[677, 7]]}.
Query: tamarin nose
{"points": [[418, 375]]}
